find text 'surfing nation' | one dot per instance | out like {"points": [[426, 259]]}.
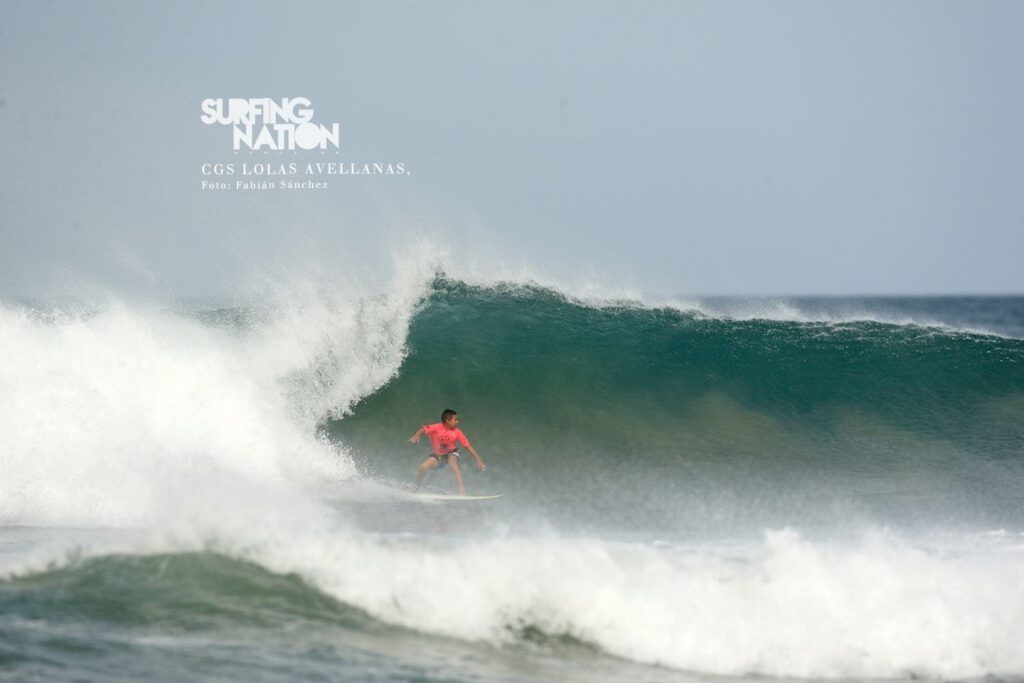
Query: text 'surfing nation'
{"points": [[262, 123]]}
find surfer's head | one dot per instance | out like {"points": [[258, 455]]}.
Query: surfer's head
{"points": [[449, 417]]}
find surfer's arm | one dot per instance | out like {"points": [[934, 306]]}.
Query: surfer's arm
{"points": [[415, 438], [479, 460]]}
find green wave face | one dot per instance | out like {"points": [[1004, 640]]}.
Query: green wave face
{"points": [[192, 616], [615, 403], [174, 593]]}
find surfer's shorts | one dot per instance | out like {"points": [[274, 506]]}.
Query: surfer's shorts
{"points": [[442, 460]]}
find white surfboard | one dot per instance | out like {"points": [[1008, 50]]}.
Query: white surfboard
{"points": [[452, 496]]}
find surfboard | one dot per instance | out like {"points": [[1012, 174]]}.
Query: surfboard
{"points": [[452, 496]]}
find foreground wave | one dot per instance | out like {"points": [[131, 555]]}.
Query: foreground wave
{"points": [[785, 607]]}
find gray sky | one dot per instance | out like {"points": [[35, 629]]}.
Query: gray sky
{"points": [[683, 148]]}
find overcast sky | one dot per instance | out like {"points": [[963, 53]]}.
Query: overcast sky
{"points": [[680, 147]]}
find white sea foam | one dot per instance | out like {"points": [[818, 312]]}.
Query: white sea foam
{"points": [[785, 607], [130, 415]]}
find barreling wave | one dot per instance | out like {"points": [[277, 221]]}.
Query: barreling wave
{"points": [[560, 387], [531, 357]]}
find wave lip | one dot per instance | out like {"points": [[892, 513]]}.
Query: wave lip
{"points": [[997, 315]]}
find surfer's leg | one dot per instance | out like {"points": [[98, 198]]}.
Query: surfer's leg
{"points": [[424, 466], [453, 462]]}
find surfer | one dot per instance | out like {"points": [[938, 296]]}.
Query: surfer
{"points": [[445, 436]]}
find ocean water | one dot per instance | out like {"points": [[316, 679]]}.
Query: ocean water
{"points": [[709, 489]]}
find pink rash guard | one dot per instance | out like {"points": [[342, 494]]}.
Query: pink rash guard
{"points": [[442, 439]]}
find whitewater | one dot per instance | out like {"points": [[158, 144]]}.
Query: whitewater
{"points": [[817, 489]]}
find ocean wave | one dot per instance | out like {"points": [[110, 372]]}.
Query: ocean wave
{"points": [[784, 606]]}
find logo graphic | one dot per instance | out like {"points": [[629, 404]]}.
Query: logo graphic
{"points": [[262, 123], [265, 124]]}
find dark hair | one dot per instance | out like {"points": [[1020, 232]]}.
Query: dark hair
{"points": [[448, 412]]}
